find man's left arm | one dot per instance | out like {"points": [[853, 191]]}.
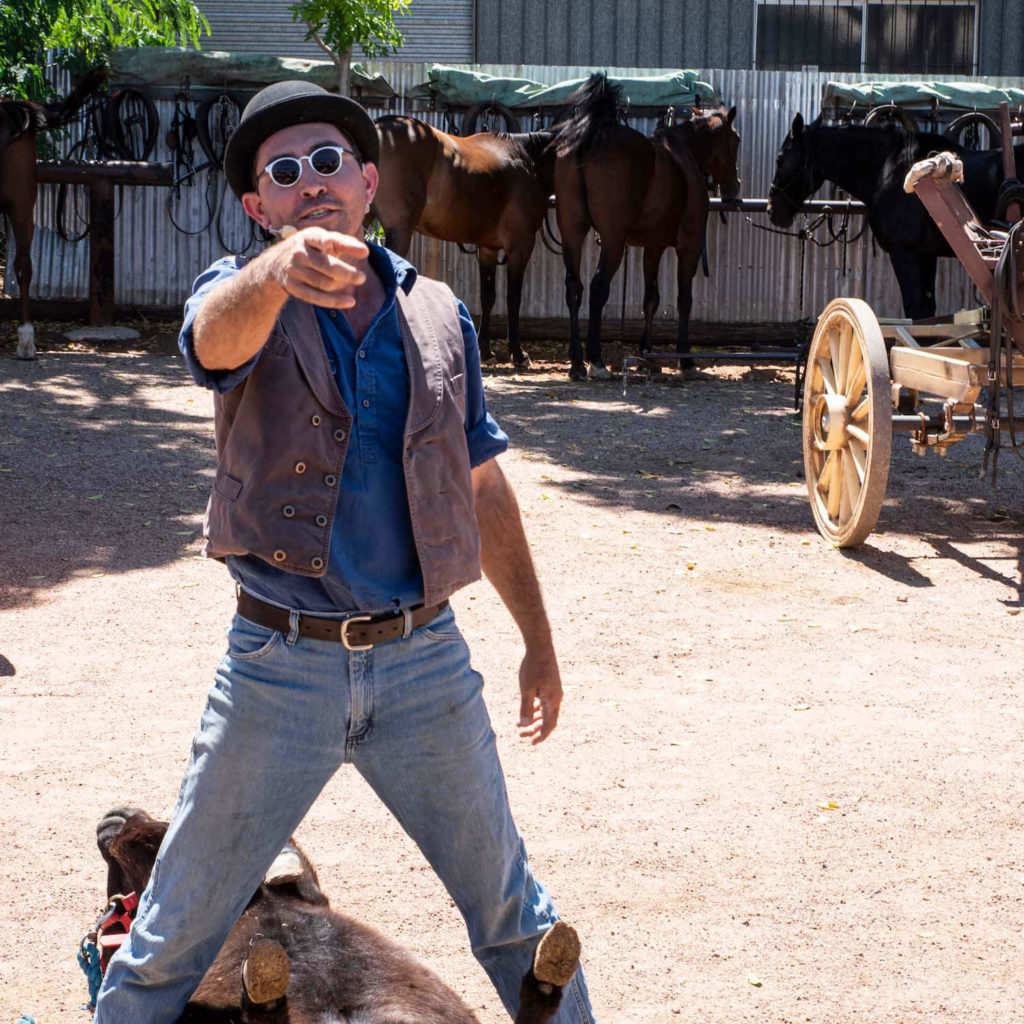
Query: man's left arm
{"points": [[506, 562]]}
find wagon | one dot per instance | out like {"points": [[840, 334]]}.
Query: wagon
{"points": [[938, 380]]}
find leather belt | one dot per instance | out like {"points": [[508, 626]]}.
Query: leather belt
{"points": [[356, 633]]}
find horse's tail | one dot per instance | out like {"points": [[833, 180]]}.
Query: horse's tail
{"points": [[62, 111], [596, 109]]}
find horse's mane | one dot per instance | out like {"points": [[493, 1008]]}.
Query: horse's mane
{"points": [[596, 104]]}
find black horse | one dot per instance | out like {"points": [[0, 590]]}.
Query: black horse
{"points": [[870, 163]]}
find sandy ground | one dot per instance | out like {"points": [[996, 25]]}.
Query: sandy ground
{"points": [[787, 782]]}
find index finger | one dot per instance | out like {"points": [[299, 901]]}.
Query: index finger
{"points": [[336, 244]]}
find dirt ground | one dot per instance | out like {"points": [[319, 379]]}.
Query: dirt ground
{"points": [[786, 786]]}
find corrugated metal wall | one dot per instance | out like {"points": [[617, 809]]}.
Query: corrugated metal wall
{"points": [[437, 30], [633, 33], [755, 275]]}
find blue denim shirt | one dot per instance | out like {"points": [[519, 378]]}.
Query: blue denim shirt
{"points": [[373, 565]]}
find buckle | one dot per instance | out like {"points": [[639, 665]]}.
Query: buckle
{"points": [[344, 633]]}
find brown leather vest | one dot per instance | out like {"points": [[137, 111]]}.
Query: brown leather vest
{"points": [[283, 432]]}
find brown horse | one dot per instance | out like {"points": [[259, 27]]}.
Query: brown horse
{"points": [[638, 191], [291, 958], [486, 190], [20, 121]]}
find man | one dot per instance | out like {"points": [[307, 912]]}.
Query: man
{"points": [[357, 487]]}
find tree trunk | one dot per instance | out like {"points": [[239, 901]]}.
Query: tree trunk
{"points": [[341, 61]]}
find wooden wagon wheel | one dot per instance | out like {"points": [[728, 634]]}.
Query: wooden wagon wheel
{"points": [[847, 422]]}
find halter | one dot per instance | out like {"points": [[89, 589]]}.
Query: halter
{"points": [[113, 927]]}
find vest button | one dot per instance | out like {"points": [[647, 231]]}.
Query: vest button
{"points": [[279, 555], [340, 435], [317, 563], [321, 520], [300, 467], [315, 420], [288, 511], [330, 480]]}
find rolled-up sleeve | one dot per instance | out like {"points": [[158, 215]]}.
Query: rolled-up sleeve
{"points": [[217, 380], [483, 435]]}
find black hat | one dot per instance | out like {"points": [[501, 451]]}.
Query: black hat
{"points": [[282, 105]]}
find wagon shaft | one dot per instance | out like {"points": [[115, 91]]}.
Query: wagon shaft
{"points": [[976, 247]]}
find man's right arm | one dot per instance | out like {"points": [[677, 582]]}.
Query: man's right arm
{"points": [[236, 318]]}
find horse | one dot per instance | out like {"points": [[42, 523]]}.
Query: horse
{"points": [[870, 163], [639, 191], [20, 122], [487, 190], [291, 958]]}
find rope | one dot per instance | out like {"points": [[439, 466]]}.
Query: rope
{"points": [[89, 961]]}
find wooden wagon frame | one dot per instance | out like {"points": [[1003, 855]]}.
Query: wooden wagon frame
{"points": [[866, 376]]}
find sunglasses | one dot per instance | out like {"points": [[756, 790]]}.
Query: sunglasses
{"points": [[285, 171]]}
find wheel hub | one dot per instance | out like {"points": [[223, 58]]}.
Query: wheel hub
{"points": [[830, 420]]}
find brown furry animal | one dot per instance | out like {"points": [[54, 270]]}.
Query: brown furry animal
{"points": [[290, 959]]}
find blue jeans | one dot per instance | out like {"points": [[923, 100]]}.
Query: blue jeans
{"points": [[284, 713]]}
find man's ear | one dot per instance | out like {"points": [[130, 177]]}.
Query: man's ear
{"points": [[253, 206], [372, 179]]}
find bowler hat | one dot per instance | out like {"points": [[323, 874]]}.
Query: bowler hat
{"points": [[282, 105]]}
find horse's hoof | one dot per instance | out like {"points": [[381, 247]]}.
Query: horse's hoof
{"points": [[265, 972], [26, 342], [558, 955], [287, 867], [595, 371], [577, 373], [524, 363]]}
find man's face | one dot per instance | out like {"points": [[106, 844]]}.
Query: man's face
{"points": [[336, 202]]}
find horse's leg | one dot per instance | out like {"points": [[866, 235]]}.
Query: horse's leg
{"points": [[600, 289], [652, 297], [915, 272], [517, 261], [688, 261], [573, 224], [554, 963], [22, 228], [488, 260]]}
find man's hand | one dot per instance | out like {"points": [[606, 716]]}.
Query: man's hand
{"points": [[540, 688], [314, 265]]}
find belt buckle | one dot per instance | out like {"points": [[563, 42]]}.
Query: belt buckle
{"points": [[344, 633]]}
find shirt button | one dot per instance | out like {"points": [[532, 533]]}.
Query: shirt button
{"points": [[321, 520], [330, 480], [315, 420], [362, 354], [333, 314], [288, 511], [300, 467], [317, 563], [279, 555], [339, 434], [366, 403]]}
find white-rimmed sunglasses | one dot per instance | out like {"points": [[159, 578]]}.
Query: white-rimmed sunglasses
{"points": [[285, 171]]}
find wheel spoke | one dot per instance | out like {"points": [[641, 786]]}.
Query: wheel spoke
{"points": [[859, 433], [856, 373], [827, 375], [842, 358], [825, 476], [835, 487], [851, 486], [859, 456], [862, 410]]}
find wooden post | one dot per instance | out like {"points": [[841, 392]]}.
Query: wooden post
{"points": [[101, 253]]}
